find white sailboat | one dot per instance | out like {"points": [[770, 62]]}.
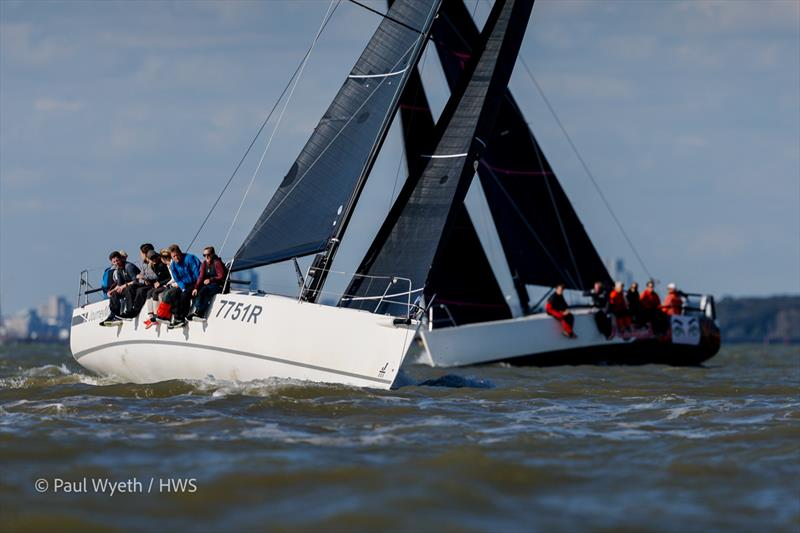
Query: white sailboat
{"points": [[254, 335], [363, 340]]}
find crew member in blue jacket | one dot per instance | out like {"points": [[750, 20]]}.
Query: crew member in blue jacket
{"points": [[185, 269]]}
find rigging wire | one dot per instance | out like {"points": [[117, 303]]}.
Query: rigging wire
{"points": [[326, 18], [546, 178], [403, 24], [586, 168], [564, 274], [258, 134]]}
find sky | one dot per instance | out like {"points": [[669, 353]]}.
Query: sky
{"points": [[121, 121]]}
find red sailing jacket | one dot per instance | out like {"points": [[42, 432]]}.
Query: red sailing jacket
{"points": [[617, 301], [650, 300]]}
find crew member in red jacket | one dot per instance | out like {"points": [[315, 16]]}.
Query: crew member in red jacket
{"points": [[557, 308], [210, 282], [651, 308], [620, 308]]}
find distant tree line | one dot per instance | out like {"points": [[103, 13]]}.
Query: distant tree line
{"points": [[774, 319]]}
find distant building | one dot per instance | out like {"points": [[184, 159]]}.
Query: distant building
{"points": [[618, 272], [23, 325], [56, 312], [51, 322]]}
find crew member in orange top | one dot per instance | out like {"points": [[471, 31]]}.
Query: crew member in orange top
{"points": [[651, 307], [620, 308], [557, 308], [673, 303]]}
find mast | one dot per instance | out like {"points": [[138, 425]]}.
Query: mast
{"points": [[409, 240]]}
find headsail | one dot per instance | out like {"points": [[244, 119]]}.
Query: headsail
{"points": [[315, 199], [408, 241], [542, 236]]}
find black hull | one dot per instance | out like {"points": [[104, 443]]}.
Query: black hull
{"points": [[637, 352]]}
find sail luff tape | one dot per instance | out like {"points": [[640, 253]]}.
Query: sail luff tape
{"points": [[362, 76]]}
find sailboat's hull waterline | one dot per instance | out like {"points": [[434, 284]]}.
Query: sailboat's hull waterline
{"points": [[536, 340], [247, 337]]}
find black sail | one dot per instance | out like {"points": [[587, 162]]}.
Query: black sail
{"points": [[316, 197], [462, 277], [543, 239], [409, 240]]}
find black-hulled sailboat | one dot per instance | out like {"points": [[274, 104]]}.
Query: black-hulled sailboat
{"points": [[471, 320]]}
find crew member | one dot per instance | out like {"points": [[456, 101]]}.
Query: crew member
{"points": [[123, 275], [185, 269], [599, 296], [557, 308], [651, 308], [210, 282], [673, 303], [634, 304], [619, 308]]}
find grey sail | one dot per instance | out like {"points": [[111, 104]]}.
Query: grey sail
{"points": [[315, 199], [543, 239], [462, 277], [409, 240]]}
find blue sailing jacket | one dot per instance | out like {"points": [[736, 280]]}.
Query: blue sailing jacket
{"points": [[186, 272]]}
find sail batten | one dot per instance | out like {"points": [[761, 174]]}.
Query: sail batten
{"points": [[316, 197]]}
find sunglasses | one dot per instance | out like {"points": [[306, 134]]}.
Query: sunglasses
{"points": [[207, 255]]}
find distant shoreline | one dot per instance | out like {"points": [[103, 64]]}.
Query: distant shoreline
{"points": [[765, 320]]}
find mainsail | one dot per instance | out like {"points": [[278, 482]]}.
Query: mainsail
{"points": [[462, 276], [314, 201], [409, 240], [543, 239]]}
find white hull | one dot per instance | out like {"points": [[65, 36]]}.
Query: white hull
{"points": [[501, 340], [247, 337]]}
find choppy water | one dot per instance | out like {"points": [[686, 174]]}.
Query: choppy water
{"points": [[574, 448]]}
